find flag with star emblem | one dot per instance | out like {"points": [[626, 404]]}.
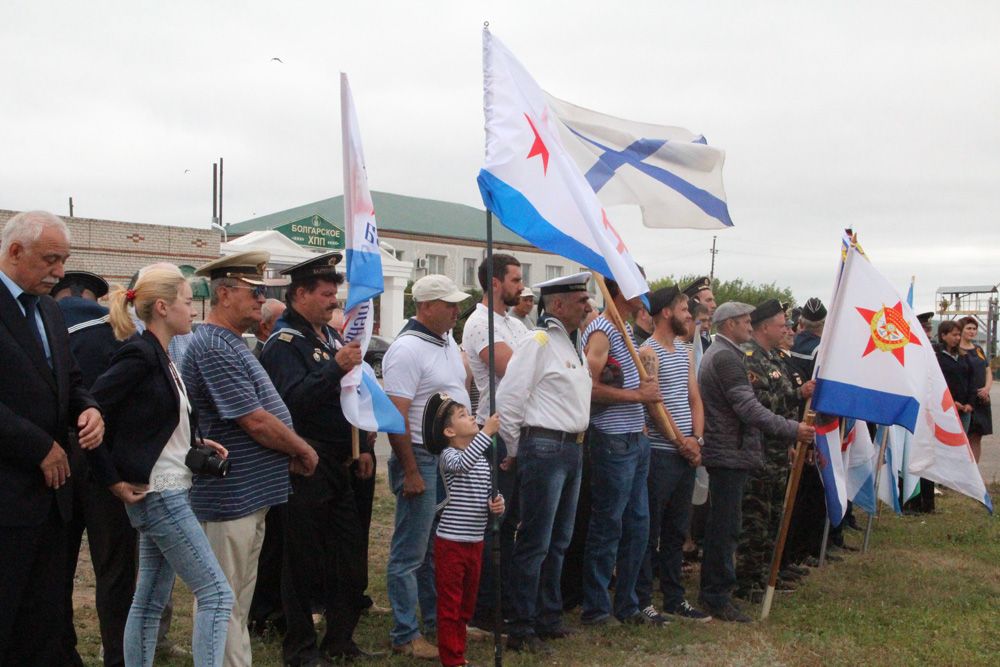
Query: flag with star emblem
{"points": [[362, 398], [673, 175], [875, 363], [533, 185]]}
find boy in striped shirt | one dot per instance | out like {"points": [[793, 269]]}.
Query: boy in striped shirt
{"points": [[450, 431]]}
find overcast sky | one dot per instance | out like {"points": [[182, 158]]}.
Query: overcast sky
{"points": [[878, 115]]}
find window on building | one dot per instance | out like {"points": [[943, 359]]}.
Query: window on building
{"points": [[553, 271], [435, 264], [526, 274], [469, 272]]}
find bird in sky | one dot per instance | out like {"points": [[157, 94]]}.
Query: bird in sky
{"points": [[279, 60], [187, 171]]}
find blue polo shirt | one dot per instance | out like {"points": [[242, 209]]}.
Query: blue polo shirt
{"points": [[225, 382]]}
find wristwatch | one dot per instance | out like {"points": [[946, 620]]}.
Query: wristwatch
{"points": [[701, 441]]}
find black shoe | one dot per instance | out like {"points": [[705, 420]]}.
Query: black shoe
{"points": [[789, 574], [529, 644], [810, 561], [647, 616], [729, 613], [833, 558], [688, 613], [562, 632], [798, 569]]}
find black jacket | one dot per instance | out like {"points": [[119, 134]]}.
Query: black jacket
{"points": [[959, 374], [141, 409], [90, 336], [38, 406]]}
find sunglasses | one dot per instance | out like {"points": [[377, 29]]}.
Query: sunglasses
{"points": [[257, 290]]}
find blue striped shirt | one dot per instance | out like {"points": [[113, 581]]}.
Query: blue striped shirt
{"points": [[468, 481], [225, 381], [618, 417], [673, 373]]}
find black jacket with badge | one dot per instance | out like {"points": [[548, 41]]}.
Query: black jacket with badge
{"points": [[303, 369]]}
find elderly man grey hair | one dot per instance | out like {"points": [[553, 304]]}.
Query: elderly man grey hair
{"points": [[27, 227]]}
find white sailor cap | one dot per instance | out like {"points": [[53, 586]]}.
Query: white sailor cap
{"points": [[574, 283]]}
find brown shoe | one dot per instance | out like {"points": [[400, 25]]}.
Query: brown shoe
{"points": [[418, 648]]}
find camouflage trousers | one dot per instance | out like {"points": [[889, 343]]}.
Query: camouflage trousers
{"points": [[762, 503]]}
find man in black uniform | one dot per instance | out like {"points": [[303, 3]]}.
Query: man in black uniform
{"points": [[700, 290], [111, 537], [306, 360]]}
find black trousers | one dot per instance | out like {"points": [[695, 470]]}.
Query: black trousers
{"points": [[323, 539], [32, 566], [805, 533], [112, 543]]}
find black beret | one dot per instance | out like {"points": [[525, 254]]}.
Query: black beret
{"points": [[435, 412], [925, 317], [698, 285], [766, 310], [85, 279], [662, 298], [814, 310]]}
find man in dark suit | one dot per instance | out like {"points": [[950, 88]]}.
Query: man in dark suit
{"points": [[41, 398], [111, 537]]}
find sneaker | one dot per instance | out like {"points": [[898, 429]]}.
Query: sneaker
{"points": [[685, 611], [729, 613], [529, 644], [648, 616], [418, 648]]}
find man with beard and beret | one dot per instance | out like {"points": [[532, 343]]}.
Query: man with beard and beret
{"points": [[110, 536], [734, 421], [323, 551], [700, 290], [42, 398], [764, 497]]}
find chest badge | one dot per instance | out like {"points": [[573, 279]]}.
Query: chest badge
{"points": [[326, 356], [317, 355]]}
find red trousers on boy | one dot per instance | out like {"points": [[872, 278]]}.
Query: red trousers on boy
{"points": [[456, 573]]}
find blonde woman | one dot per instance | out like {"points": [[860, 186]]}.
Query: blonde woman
{"points": [[152, 427]]}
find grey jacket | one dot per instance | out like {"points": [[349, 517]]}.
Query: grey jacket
{"points": [[734, 418]]}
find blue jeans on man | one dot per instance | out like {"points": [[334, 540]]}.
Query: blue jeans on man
{"points": [[722, 535], [619, 523], [670, 484], [410, 571], [548, 486]]}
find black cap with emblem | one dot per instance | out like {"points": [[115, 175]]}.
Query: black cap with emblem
{"points": [[814, 310], [322, 266], [698, 285], [766, 310], [81, 280], [435, 416]]}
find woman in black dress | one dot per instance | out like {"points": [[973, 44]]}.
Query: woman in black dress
{"points": [[981, 422]]}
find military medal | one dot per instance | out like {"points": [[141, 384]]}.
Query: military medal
{"points": [[316, 355]]}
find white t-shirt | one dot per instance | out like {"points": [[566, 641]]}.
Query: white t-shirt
{"points": [[420, 363], [475, 338], [170, 473]]}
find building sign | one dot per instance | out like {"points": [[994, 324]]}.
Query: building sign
{"points": [[314, 232]]}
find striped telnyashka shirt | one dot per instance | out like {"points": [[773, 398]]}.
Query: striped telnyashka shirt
{"points": [[618, 417], [467, 478], [673, 374]]}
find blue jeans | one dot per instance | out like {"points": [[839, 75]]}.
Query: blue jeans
{"points": [[410, 571], [670, 484], [171, 541], [619, 523], [722, 535], [548, 479]]}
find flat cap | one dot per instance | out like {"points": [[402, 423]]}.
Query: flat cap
{"points": [[662, 298], [322, 265], [698, 285], [814, 310], [767, 310], [435, 411], [85, 279], [247, 266], [729, 310]]}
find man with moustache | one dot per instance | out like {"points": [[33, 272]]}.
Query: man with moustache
{"points": [[522, 311], [672, 463], [422, 361], [324, 540], [239, 407], [41, 399], [507, 287]]}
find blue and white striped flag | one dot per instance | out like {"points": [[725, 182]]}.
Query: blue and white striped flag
{"points": [[364, 402]]}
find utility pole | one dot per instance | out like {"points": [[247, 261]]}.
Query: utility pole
{"points": [[711, 273], [71, 207]]}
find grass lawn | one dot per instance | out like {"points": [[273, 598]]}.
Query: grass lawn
{"points": [[928, 592]]}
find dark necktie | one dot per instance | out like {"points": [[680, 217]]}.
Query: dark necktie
{"points": [[30, 303]]}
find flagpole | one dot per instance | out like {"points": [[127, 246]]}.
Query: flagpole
{"points": [[878, 473], [822, 546], [801, 449], [657, 410], [495, 469]]}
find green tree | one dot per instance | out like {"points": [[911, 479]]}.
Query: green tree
{"points": [[734, 290]]}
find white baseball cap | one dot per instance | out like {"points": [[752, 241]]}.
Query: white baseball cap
{"points": [[436, 287]]}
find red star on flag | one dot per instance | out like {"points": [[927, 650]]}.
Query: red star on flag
{"points": [[538, 148], [890, 332]]}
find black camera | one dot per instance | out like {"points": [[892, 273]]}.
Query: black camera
{"points": [[204, 460]]}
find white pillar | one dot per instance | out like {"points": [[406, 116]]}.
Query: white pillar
{"points": [[395, 275]]}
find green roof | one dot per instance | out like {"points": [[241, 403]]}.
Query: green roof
{"points": [[395, 213]]}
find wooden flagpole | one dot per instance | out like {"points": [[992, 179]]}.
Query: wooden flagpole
{"points": [[658, 411], [801, 448], [878, 474], [355, 444]]}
